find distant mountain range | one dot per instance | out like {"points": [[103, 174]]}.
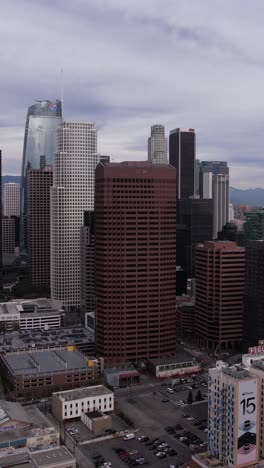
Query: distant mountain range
{"points": [[253, 197]]}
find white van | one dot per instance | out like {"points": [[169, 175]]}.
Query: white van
{"points": [[129, 436], [170, 390]]}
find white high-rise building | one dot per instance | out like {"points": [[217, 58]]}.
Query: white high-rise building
{"points": [[11, 196], [72, 193], [157, 145], [234, 410], [207, 184], [220, 202]]}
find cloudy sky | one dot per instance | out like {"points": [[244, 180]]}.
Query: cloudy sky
{"points": [[131, 63]]}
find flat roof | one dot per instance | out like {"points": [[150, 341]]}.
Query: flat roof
{"points": [[51, 456], [259, 364], [54, 337], [42, 458], [21, 460], [11, 411], [41, 303], [37, 361], [237, 373], [177, 359], [83, 392], [94, 414], [39, 424]]}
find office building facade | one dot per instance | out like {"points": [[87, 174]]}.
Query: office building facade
{"points": [[220, 202], [39, 184], [135, 261], [43, 119], [157, 145], [234, 408], [11, 195], [87, 264], [196, 215], [8, 235], [254, 225], [182, 148], [213, 168], [254, 293], [72, 194], [1, 249], [220, 287]]}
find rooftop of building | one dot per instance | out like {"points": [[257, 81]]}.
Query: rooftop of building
{"points": [[83, 392], [237, 372], [94, 414], [138, 164], [258, 364], [38, 361], [20, 460], [177, 359], [39, 304], [24, 340], [220, 245], [204, 459], [38, 426], [10, 411], [51, 456], [39, 459]]}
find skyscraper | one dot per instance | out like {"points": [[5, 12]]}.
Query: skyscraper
{"points": [[1, 252], [213, 168], [135, 260], [11, 195], [254, 225], [254, 293], [39, 184], [87, 263], [220, 202], [182, 157], [196, 214], [72, 193], [157, 145], [43, 119], [220, 286], [234, 410], [8, 235]]}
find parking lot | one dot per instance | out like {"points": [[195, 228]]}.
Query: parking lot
{"points": [[137, 449], [156, 415]]}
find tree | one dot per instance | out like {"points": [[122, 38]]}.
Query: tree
{"points": [[190, 397], [198, 396]]}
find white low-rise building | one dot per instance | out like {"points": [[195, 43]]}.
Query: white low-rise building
{"points": [[73, 403]]}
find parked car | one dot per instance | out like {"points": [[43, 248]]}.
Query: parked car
{"points": [[129, 436]]}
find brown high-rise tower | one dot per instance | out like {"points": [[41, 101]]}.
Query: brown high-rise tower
{"points": [[135, 260], [40, 181], [220, 282]]}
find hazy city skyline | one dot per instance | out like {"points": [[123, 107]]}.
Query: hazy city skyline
{"points": [[130, 65]]}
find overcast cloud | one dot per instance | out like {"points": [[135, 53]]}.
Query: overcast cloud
{"points": [[131, 63]]}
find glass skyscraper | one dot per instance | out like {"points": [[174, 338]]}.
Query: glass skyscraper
{"points": [[43, 119]]}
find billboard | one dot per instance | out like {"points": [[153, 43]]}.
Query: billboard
{"points": [[247, 448]]}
